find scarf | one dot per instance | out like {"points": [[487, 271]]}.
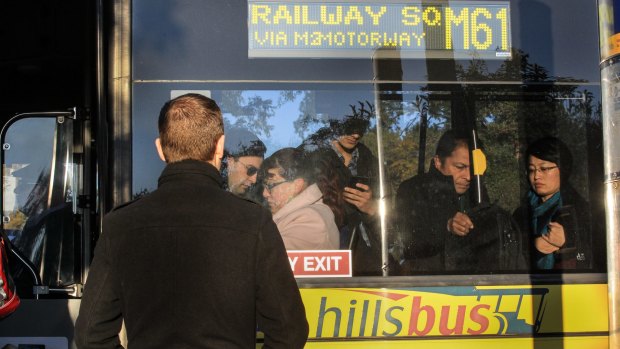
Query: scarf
{"points": [[540, 215]]}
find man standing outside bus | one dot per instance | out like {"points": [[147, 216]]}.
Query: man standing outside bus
{"points": [[191, 265]]}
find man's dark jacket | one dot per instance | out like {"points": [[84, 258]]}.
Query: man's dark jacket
{"points": [[366, 253], [426, 202], [191, 266]]}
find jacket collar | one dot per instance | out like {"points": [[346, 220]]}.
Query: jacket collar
{"points": [[191, 168], [443, 182], [307, 197]]}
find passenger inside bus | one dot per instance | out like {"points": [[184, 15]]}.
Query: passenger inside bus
{"points": [[359, 168], [445, 228], [295, 200], [554, 217], [243, 155]]}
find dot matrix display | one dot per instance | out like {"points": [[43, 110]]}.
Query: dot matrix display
{"points": [[356, 29]]}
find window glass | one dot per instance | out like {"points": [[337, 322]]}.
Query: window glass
{"points": [[497, 108], [194, 40], [39, 197]]}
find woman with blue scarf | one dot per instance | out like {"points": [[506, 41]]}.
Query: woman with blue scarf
{"points": [[555, 217]]}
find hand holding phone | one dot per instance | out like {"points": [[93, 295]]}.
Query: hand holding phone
{"points": [[360, 197], [358, 179]]}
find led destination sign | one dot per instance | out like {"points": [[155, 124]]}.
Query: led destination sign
{"points": [[459, 29]]}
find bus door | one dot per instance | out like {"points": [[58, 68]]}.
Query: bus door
{"points": [[45, 213]]}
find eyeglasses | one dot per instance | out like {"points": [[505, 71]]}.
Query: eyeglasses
{"points": [[543, 170], [270, 186], [251, 170]]}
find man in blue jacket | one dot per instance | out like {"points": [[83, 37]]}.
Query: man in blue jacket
{"points": [[191, 265]]}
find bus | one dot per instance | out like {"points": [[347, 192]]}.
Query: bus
{"points": [[505, 73]]}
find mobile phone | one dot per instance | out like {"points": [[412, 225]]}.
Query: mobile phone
{"points": [[567, 217], [566, 214], [358, 179]]}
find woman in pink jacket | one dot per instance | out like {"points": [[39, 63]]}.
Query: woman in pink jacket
{"points": [[296, 202]]}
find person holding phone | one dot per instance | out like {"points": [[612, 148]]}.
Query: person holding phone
{"points": [[432, 208], [554, 214], [444, 226], [357, 170]]}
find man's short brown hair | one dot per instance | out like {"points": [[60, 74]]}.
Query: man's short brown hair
{"points": [[189, 128]]}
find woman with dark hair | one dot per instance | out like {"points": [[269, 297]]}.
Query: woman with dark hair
{"points": [[331, 179], [554, 216], [289, 179]]}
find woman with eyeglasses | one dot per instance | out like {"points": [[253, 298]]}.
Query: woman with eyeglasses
{"points": [[304, 220], [554, 214]]}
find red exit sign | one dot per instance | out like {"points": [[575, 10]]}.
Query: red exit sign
{"points": [[320, 263]]}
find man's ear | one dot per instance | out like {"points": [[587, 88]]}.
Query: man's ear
{"points": [[300, 185], [219, 152], [160, 151], [219, 147], [437, 162]]}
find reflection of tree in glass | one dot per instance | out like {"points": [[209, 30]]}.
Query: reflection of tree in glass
{"points": [[308, 117], [140, 193], [253, 112], [357, 121], [508, 117]]}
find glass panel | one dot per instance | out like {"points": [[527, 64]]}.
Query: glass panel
{"points": [[205, 40], [507, 123], [282, 119], [547, 86], [39, 197], [414, 118]]}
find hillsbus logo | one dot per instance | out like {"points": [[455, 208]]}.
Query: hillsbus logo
{"points": [[423, 312]]}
